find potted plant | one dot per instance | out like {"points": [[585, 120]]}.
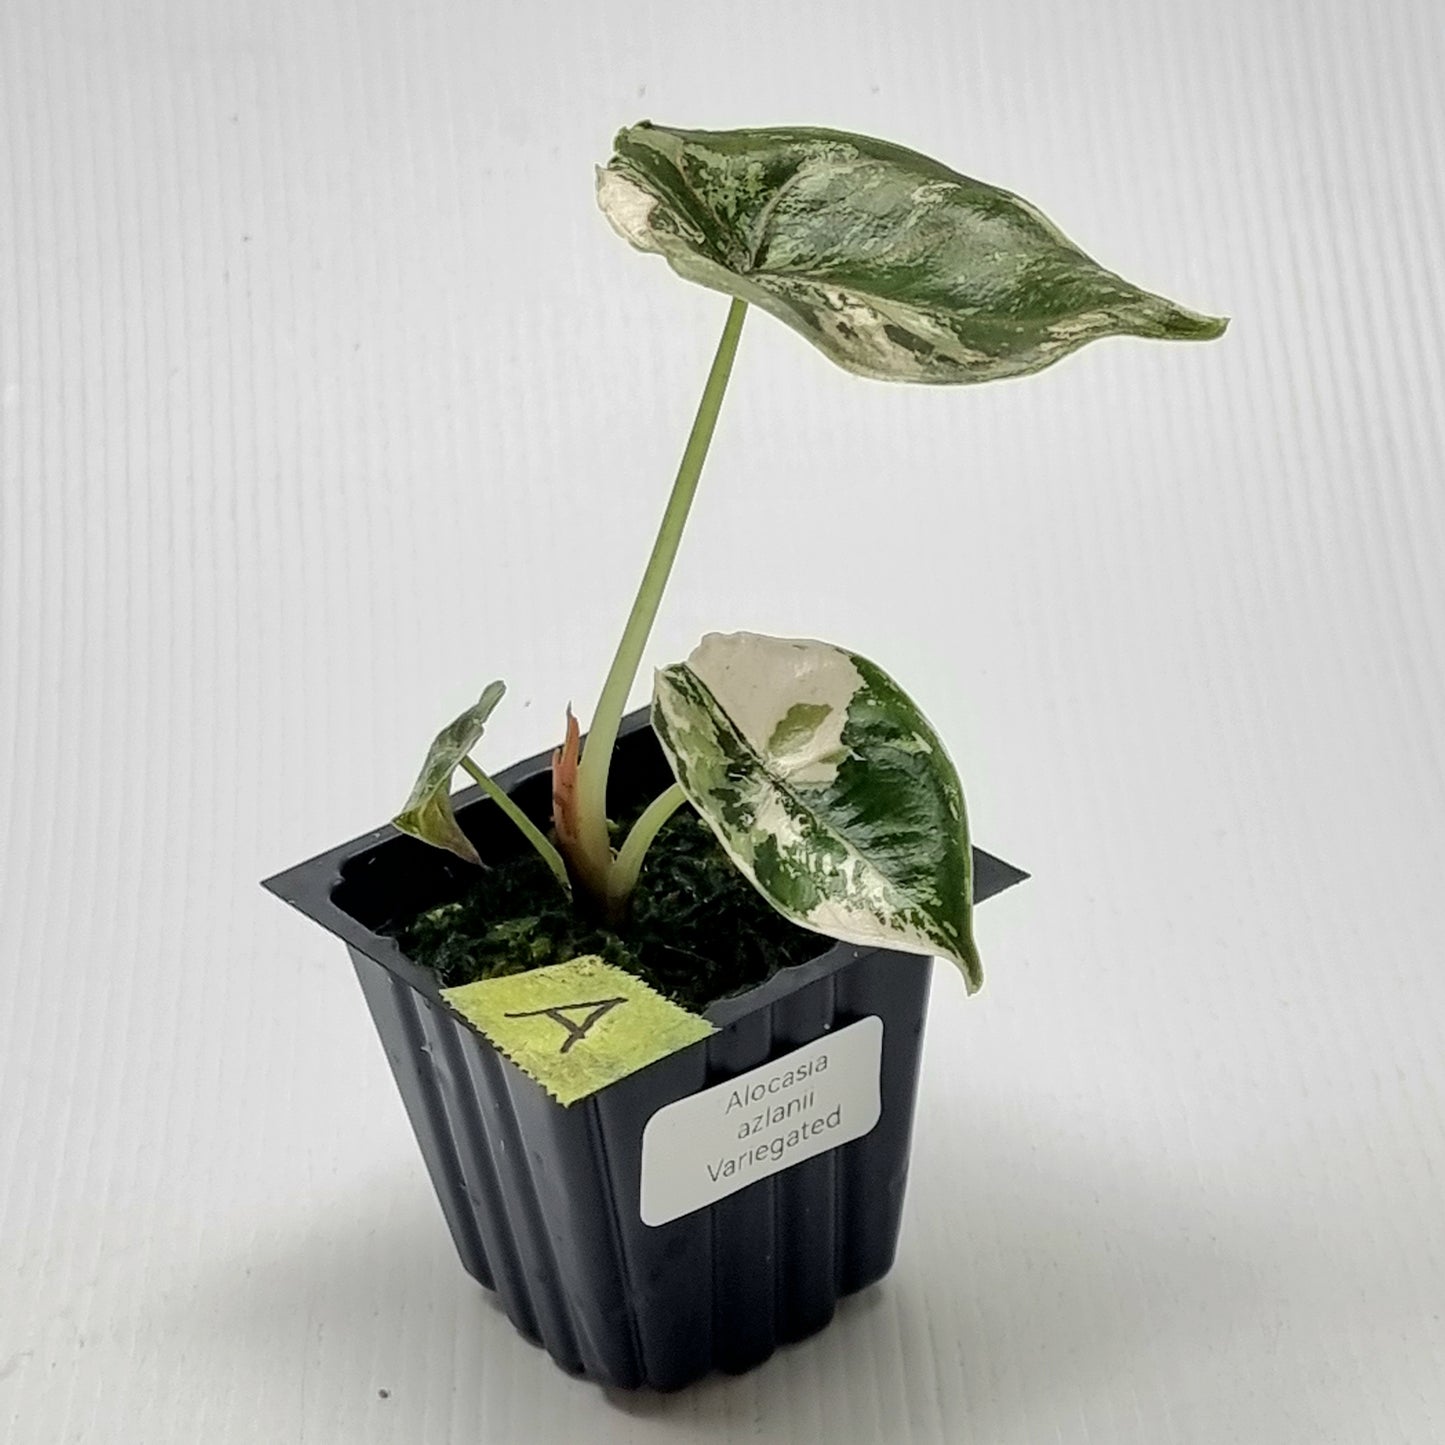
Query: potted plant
{"points": [[654, 1003]]}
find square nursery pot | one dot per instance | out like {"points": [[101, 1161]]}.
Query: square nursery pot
{"points": [[544, 1202]]}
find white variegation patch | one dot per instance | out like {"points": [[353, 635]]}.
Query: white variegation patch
{"points": [[864, 906], [628, 208], [916, 744], [860, 331], [870, 924], [932, 193], [762, 681]]}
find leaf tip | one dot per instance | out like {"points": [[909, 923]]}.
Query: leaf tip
{"points": [[969, 965], [1166, 319], [1192, 326]]}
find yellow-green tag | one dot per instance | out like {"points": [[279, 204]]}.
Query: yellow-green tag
{"points": [[577, 1026]]}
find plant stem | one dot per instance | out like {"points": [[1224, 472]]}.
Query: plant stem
{"points": [[602, 735], [534, 835], [623, 877]]}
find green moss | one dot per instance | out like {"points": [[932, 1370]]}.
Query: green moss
{"points": [[697, 930]]}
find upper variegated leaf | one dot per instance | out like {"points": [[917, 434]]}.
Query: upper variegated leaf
{"points": [[827, 787], [893, 265], [428, 812]]}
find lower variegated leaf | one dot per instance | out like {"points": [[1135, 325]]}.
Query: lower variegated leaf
{"points": [[428, 812], [827, 787]]}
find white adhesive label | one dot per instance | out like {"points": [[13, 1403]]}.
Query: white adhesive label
{"points": [[703, 1148]]}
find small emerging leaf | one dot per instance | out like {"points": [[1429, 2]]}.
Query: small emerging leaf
{"points": [[564, 784], [827, 787], [891, 264], [428, 812]]}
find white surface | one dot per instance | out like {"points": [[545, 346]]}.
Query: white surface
{"points": [[327, 396]]}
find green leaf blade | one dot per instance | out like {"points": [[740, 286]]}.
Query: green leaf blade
{"points": [[827, 787], [894, 266], [428, 813]]}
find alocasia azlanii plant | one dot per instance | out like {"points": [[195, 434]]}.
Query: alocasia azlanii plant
{"points": [[821, 779]]}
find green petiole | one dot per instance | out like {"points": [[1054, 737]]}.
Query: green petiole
{"points": [[622, 878], [534, 835], [593, 862]]}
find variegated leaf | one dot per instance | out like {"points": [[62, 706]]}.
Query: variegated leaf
{"points": [[827, 788], [893, 265], [428, 812]]}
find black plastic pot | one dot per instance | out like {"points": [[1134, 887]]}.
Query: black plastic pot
{"points": [[543, 1202]]}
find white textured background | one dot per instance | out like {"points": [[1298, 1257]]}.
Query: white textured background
{"points": [[328, 396]]}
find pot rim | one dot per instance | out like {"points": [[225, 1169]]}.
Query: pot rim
{"points": [[310, 886]]}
